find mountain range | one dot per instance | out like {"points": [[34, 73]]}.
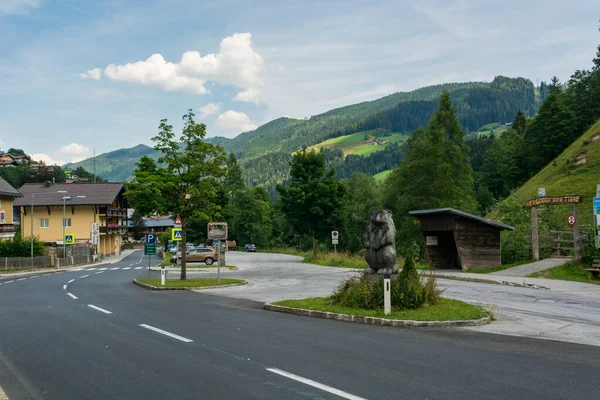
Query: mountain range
{"points": [[265, 153]]}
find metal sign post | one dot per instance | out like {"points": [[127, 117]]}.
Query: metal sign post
{"points": [[387, 303], [334, 240], [219, 263]]}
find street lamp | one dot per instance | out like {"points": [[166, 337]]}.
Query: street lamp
{"points": [[32, 197]]}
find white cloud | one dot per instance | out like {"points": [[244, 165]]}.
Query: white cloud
{"points": [[17, 6], [236, 64], [249, 96], [94, 74], [46, 159], [209, 109], [234, 122], [75, 151], [155, 71]]}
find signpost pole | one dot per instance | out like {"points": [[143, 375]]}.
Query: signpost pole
{"points": [[576, 233], [219, 263], [387, 303], [535, 245]]}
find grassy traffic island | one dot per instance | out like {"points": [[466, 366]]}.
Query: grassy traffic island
{"points": [[191, 283], [443, 310], [415, 301]]}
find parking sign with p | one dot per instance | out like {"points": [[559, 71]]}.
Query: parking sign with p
{"points": [[150, 238]]}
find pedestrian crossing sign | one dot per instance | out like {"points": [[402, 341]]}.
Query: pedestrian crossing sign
{"points": [[176, 234], [69, 238]]}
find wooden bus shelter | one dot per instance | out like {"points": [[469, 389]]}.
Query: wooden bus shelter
{"points": [[458, 239]]}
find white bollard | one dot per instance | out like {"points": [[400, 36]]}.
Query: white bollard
{"points": [[387, 302], [163, 276]]}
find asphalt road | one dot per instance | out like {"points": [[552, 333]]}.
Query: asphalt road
{"points": [[55, 346], [570, 314]]}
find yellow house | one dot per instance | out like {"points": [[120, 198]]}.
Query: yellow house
{"points": [[77, 206], [7, 196]]}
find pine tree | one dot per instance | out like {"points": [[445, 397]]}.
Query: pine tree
{"points": [[520, 123]]}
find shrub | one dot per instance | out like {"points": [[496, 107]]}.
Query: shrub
{"points": [[21, 248], [407, 292]]}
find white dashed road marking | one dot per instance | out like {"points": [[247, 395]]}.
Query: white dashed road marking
{"points": [[72, 280], [174, 336], [33, 277], [99, 309], [102, 269], [21, 279], [65, 287], [314, 384], [99, 272], [9, 282], [91, 269], [138, 267], [115, 268], [126, 268], [84, 276], [72, 296], [77, 269]]}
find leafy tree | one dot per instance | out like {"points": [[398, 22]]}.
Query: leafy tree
{"points": [[313, 200], [16, 152], [249, 216], [362, 198], [190, 180]]}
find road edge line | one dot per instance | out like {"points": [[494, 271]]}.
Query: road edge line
{"points": [[377, 321]]}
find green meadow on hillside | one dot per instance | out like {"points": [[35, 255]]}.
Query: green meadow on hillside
{"points": [[380, 177], [495, 128], [356, 143]]}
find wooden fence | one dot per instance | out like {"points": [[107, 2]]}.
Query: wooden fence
{"points": [[557, 244], [17, 263]]}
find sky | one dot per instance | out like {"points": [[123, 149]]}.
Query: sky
{"points": [[79, 75]]}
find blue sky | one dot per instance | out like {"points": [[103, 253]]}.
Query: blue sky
{"points": [[77, 74]]}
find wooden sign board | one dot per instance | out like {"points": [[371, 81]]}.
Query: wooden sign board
{"points": [[554, 200]]}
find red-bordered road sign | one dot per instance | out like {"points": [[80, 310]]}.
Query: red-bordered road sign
{"points": [[571, 220]]}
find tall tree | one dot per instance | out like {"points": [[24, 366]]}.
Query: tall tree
{"points": [[519, 123], [190, 179], [435, 172], [312, 202]]}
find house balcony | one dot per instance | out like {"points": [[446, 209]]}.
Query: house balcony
{"points": [[113, 228], [113, 212]]}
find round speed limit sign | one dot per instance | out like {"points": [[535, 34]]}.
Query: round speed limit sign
{"points": [[571, 220]]}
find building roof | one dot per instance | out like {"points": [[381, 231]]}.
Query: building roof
{"points": [[460, 213], [6, 189], [47, 194]]}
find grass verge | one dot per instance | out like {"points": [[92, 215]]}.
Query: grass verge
{"points": [[570, 271], [193, 282], [444, 310], [340, 260], [498, 268]]}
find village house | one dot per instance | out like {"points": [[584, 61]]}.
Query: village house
{"points": [[75, 206], [7, 195]]}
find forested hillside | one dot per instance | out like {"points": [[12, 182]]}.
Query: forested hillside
{"points": [[265, 153]]}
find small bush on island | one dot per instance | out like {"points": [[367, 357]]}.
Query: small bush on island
{"points": [[407, 292]]}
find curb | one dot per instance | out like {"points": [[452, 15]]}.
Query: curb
{"points": [[151, 287], [375, 320], [491, 281]]}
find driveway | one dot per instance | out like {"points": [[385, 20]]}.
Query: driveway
{"points": [[274, 277]]}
